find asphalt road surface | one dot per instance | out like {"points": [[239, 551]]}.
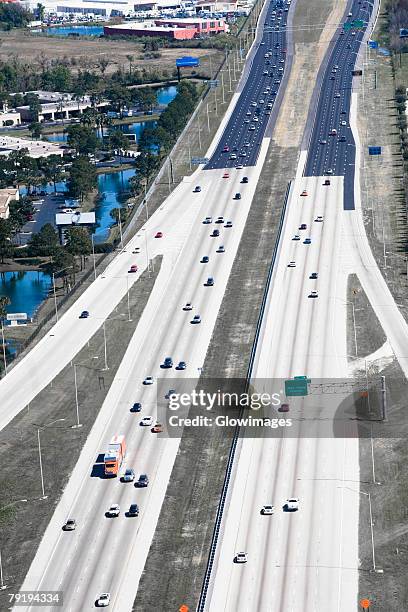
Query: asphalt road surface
{"points": [[331, 149], [241, 140]]}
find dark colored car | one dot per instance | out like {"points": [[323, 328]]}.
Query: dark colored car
{"points": [[210, 282], [197, 189], [237, 196], [137, 406], [181, 365], [143, 481], [84, 314], [205, 259], [244, 179], [168, 363], [215, 233], [283, 408], [133, 510]]}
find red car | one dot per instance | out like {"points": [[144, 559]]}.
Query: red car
{"points": [[225, 175], [133, 269], [226, 149], [159, 235], [283, 408]]}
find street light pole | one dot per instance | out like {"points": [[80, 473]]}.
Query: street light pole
{"points": [[78, 424], [120, 229], [354, 325], [55, 297], [93, 255], [4, 347], [44, 496], [128, 297], [105, 350]]}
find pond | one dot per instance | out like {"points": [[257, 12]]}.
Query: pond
{"points": [[128, 128], [82, 30], [26, 290]]}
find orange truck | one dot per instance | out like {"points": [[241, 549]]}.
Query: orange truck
{"points": [[114, 455]]}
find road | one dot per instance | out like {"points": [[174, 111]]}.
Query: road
{"points": [[309, 559], [109, 554]]}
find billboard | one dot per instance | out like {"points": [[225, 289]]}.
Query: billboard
{"points": [[373, 44], [187, 62], [374, 150], [403, 32]]}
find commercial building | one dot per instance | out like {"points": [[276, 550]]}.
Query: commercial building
{"points": [[9, 117], [6, 195], [36, 148], [177, 29], [56, 105]]}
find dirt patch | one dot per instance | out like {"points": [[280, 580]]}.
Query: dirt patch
{"points": [[87, 52]]}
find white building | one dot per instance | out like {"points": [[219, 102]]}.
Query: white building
{"points": [[9, 117], [56, 105], [6, 195], [36, 148]]}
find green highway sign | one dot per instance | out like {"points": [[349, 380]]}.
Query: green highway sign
{"points": [[297, 386], [357, 23], [347, 26]]}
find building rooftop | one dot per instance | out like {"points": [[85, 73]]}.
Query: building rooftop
{"points": [[36, 148]]}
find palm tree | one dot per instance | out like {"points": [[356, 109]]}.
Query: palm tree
{"points": [[4, 301], [130, 59]]}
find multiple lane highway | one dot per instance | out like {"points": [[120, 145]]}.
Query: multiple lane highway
{"points": [[297, 561]]}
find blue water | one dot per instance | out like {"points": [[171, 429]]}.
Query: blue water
{"points": [[127, 128], [26, 290], [110, 185], [81, 30], [166, 94]]}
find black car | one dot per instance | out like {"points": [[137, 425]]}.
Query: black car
{"points": [[84, 314], [237, 196], [133, 510], [205, 259], [197, 189], [215, 233], [210, 282], [143, 481], [168, 363], [244, 179], [137, 406]]}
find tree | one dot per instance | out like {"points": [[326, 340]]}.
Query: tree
{"points": [[118, 141], [52, 170], [13, 16], [121, 213], [45, 242], [4, 301], [20, 210], [33, 102], [6, 247], [82, 138], [119, 97], [146, 164], [78, 242], [40, 10], [103, 63], [82, 177], [35, 129], [130, 59]]}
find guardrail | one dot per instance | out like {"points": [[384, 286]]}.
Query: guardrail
{"points": [[231, 456]]}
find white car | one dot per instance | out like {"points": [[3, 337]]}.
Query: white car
{"points": [[188, 306], [313, 294], [292, 264], [207, 220], [292, 504], [239, 167], [147, 421], [343, 122], [103, 600], [148, 380], [267, 509], [319, 219], [255, 119], [241, 557], [114, 510]]}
